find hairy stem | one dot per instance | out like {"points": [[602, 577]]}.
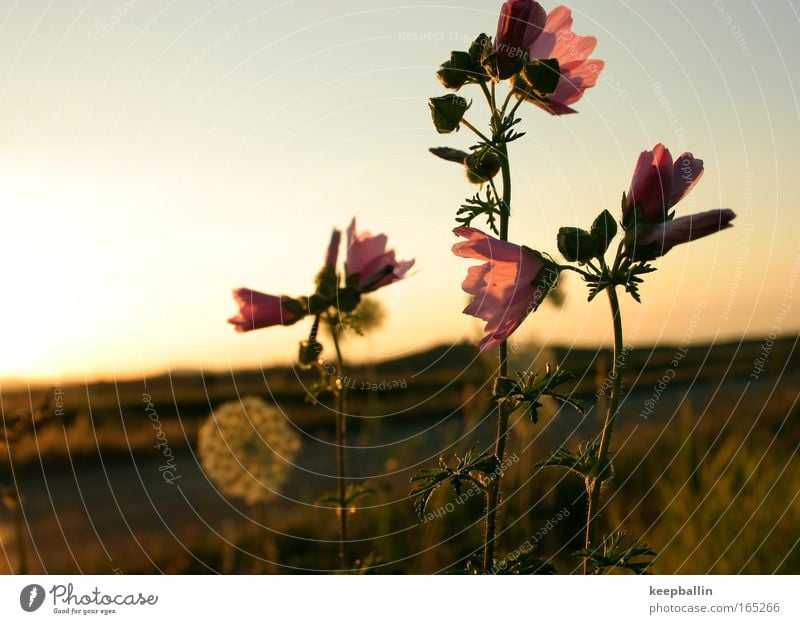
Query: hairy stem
{"points": [[341, 430], [480, 134], [493, 491], [20, 534], [595, 481]]}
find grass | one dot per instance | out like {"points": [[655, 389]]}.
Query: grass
{"points": [[710, 482]]}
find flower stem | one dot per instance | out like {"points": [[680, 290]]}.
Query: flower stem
{"points": [[341, 430], [480, 134], [569, 267], [15, 506], [493, 491], [594, 482]]}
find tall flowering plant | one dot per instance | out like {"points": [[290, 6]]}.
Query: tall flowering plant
{"points": [[336, 304], [536, 58]]}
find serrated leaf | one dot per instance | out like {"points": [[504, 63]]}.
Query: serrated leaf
{"points": [[582, 462], [477, 206], [531, 386], [472, 467], [523, 563], [612, 552]]}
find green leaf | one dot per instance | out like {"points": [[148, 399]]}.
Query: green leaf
{"points": [[447, 112], [576, 245], [357, 491], [522, 562], [612, 552], [604, 229], [476, 206], [632, 279], [627, 276], [352, 494], [477, 469], [530, 387], [582, 462]]}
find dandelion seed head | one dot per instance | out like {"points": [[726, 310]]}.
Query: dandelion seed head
{"points": [[247, 447]]}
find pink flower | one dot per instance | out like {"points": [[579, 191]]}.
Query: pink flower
{"points": [[369, 263], [659, 239], [510, 284], [578, 71], [257, 310], [333, 249], [658, 183], [520, 23]]}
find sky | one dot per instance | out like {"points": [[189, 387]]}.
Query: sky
{"points": [[156, 154]]}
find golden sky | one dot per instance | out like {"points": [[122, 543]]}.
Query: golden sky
{"points": [[154, 155]]}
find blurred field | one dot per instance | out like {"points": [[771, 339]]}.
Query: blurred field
{"points": [[709, 477]]}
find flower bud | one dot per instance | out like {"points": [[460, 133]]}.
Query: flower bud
{"points": [[576, 245], [447, 112], [520, 24], [482, 165]]}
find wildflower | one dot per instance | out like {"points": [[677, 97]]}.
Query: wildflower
{"points": [[520, 23], [507, 287], [369, 264], [577, 71], [257, 310], [658, 183], [659, 239]]}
